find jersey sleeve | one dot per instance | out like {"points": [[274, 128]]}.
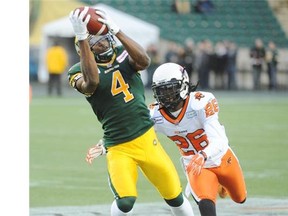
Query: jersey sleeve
{"points": [[206, 106], [207, 112], [155, 116], [151, 110], [74, 74], [218, 142]]}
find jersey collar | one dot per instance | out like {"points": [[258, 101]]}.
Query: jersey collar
{"points": [[175, 120], [108, 64]]}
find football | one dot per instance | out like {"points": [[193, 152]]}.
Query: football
{"points": [[94, 27]]}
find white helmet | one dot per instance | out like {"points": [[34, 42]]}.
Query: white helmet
{"points": [[170, 85]]}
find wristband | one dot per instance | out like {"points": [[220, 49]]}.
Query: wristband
{"points": [[204, 155]]}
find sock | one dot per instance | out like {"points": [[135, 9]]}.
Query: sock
{"points": [[115, 211], [183, 210], [207, 207]]}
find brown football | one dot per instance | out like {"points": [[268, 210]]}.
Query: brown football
{"points": [[94, 27]]}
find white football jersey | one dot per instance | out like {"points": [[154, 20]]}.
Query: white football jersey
{"points": [[195, 128]]}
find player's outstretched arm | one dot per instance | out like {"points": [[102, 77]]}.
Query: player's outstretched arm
{"points": [[138, 57], [89, 68]]}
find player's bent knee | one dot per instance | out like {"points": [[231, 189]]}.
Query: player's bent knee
{"points": [[178, 201], [125, 204]]}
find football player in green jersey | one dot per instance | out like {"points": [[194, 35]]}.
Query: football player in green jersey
{"points": [[108, 76]]}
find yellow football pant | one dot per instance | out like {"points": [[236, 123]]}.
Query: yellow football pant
{"points": [[147, 153]]}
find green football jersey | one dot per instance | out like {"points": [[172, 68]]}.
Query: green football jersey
{"points": [[119, 100]]}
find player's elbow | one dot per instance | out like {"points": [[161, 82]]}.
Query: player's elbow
{"points": [[148, 61], [91, 86], [145, 62]]}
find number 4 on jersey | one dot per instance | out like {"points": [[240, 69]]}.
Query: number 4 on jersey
{"points": [[119, 86]]}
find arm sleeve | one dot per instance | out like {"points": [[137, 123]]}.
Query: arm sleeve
{"points": [[218, 141], [216, 135]]}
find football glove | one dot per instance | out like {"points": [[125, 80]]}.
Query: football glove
{"points": [[108, 21], [96, 151], [196, 163], [80, 26]]}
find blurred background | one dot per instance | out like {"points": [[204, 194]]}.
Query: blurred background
{"points": [[213, 39], [222, 43]]}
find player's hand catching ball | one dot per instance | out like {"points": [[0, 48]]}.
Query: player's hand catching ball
{"points": [[80, 25], [95, 151], [112, 26], [196, 164]]}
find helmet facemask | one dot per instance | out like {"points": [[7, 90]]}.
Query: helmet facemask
{"points": [[107, 54], [168, 94], [93, 40]]}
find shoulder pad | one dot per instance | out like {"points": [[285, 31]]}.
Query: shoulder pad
{"points": [[119, 49], [74, 73], [121, 53], [153, 107], [76, 68], [199, 99]]}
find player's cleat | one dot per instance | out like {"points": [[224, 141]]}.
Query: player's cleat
{"points": [[222, 192]]}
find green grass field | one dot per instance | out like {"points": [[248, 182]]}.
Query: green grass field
{"points": [[62, 129]]}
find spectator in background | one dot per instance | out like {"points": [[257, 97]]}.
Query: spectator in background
{"points": [[257, 55], [189, 56], [33, 65], [220, 61], [172, 53], [204, 6], [56, 62], [272, 60], [181, 6], [181, 55], [231, 69], [204, 63], [153, 53]]}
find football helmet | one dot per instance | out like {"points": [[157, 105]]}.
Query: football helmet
{"points": [[94, 39], [170, 85]]}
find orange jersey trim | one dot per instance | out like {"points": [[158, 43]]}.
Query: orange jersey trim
{"points": [[179, 117]]}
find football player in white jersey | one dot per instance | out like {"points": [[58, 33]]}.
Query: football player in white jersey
{"points": [[190, 119]]}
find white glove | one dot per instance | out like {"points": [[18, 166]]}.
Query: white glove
{"points": [[108, 21], [95, 151], [80, 26], [196, 163]]}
